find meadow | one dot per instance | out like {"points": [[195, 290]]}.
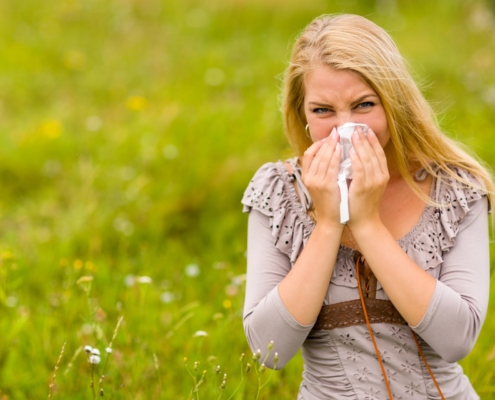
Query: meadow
{"points": [[129, 131]]}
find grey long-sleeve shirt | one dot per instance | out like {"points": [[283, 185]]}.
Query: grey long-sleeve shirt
{"points": [[450, 243]]}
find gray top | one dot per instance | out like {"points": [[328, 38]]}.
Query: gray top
{"points": [[450, 243]]}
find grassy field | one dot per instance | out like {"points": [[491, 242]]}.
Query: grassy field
{"points": [[129, 130]]}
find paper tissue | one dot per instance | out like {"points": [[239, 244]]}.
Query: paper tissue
{"points": [[345, 172]]}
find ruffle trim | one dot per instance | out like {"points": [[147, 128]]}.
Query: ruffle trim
{"points": [[272, 193], [455, 198]]}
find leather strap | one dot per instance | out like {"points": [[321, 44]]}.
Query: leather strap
{"points": [[350, 313]]}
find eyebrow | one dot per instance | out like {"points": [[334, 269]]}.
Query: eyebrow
{"points": [[357, 101]]}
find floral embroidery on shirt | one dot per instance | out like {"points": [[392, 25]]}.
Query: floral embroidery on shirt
{"points": [[390, 375], [354, 355], [409, 367], [397, 332], [372, 395], [402, 348], [346, 340], [412, 388], [375, 334], [345, 272], [383, 356], [363, 374]]}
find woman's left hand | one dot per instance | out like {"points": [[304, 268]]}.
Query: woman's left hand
{"points": [[370, 177]]}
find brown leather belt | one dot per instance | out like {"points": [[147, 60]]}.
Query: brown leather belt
{"points": [[350, 313]]}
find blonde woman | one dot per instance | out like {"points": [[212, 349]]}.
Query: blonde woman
{"points": [[386, 303]]}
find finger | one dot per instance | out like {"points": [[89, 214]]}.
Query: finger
{"points": [[380, 154], [325, 155], [309, 155], [372, 146], [363, 150], [357, 166], [333, 170]]}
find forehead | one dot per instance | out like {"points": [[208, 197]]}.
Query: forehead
{"points": [[325, 82]]}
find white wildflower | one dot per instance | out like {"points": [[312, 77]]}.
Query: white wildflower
{"points": [[192, 270], [167, 297], [108, 350], [200, 334], [95, 352], [144, 279], [94, 359], [239, 279], [129, 280], [88, 349], [11, 301]]}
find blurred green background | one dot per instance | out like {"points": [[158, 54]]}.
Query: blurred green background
{"points": [[129, 130]]}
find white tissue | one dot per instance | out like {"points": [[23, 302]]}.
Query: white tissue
{"points": [[345, 172]]}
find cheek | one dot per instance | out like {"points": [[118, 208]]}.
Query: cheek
{"points": [[380, 127], [383, 135], [320, 129]]}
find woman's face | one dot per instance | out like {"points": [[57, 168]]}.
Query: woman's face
{"points": [[334, 97]]}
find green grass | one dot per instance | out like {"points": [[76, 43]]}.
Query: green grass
{"points": [[129, 132]]}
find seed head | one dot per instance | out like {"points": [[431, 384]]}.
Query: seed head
{"points": [[196, 363], [94, 359], [275, 358], [248, 367], [95, 351], [144, 279], [108, 350], [242, 357], [270, 346], [262, 368], [88, 349], [217, 369]]}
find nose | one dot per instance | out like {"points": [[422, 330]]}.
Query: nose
{"points": [[344, 117]]}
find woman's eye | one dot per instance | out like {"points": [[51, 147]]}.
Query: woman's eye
{"points": [[365, 104], [320, 110]]}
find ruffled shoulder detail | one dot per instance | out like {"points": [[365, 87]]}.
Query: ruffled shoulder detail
{"points": [[272, 192], [439, 225]]}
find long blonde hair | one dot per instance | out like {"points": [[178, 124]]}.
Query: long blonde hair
{"points": [[352, 42]]}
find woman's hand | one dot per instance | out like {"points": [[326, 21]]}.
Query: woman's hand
{"points": [[320, 170], [370, 177]]}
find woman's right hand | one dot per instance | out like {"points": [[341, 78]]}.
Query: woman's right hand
{"points": [[320, 170]]}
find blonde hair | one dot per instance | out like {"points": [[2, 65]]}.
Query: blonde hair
{"points": [[352, 42]]}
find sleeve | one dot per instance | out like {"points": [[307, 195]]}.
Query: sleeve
{"points": [[459, 304], [265, 316]]}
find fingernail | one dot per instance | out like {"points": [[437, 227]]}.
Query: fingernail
{"points": [[352, 151], [371, 133], [333, 133], [355, 135], [337, 146]]}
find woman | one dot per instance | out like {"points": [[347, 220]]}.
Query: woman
{"points": [[416, 238]]}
